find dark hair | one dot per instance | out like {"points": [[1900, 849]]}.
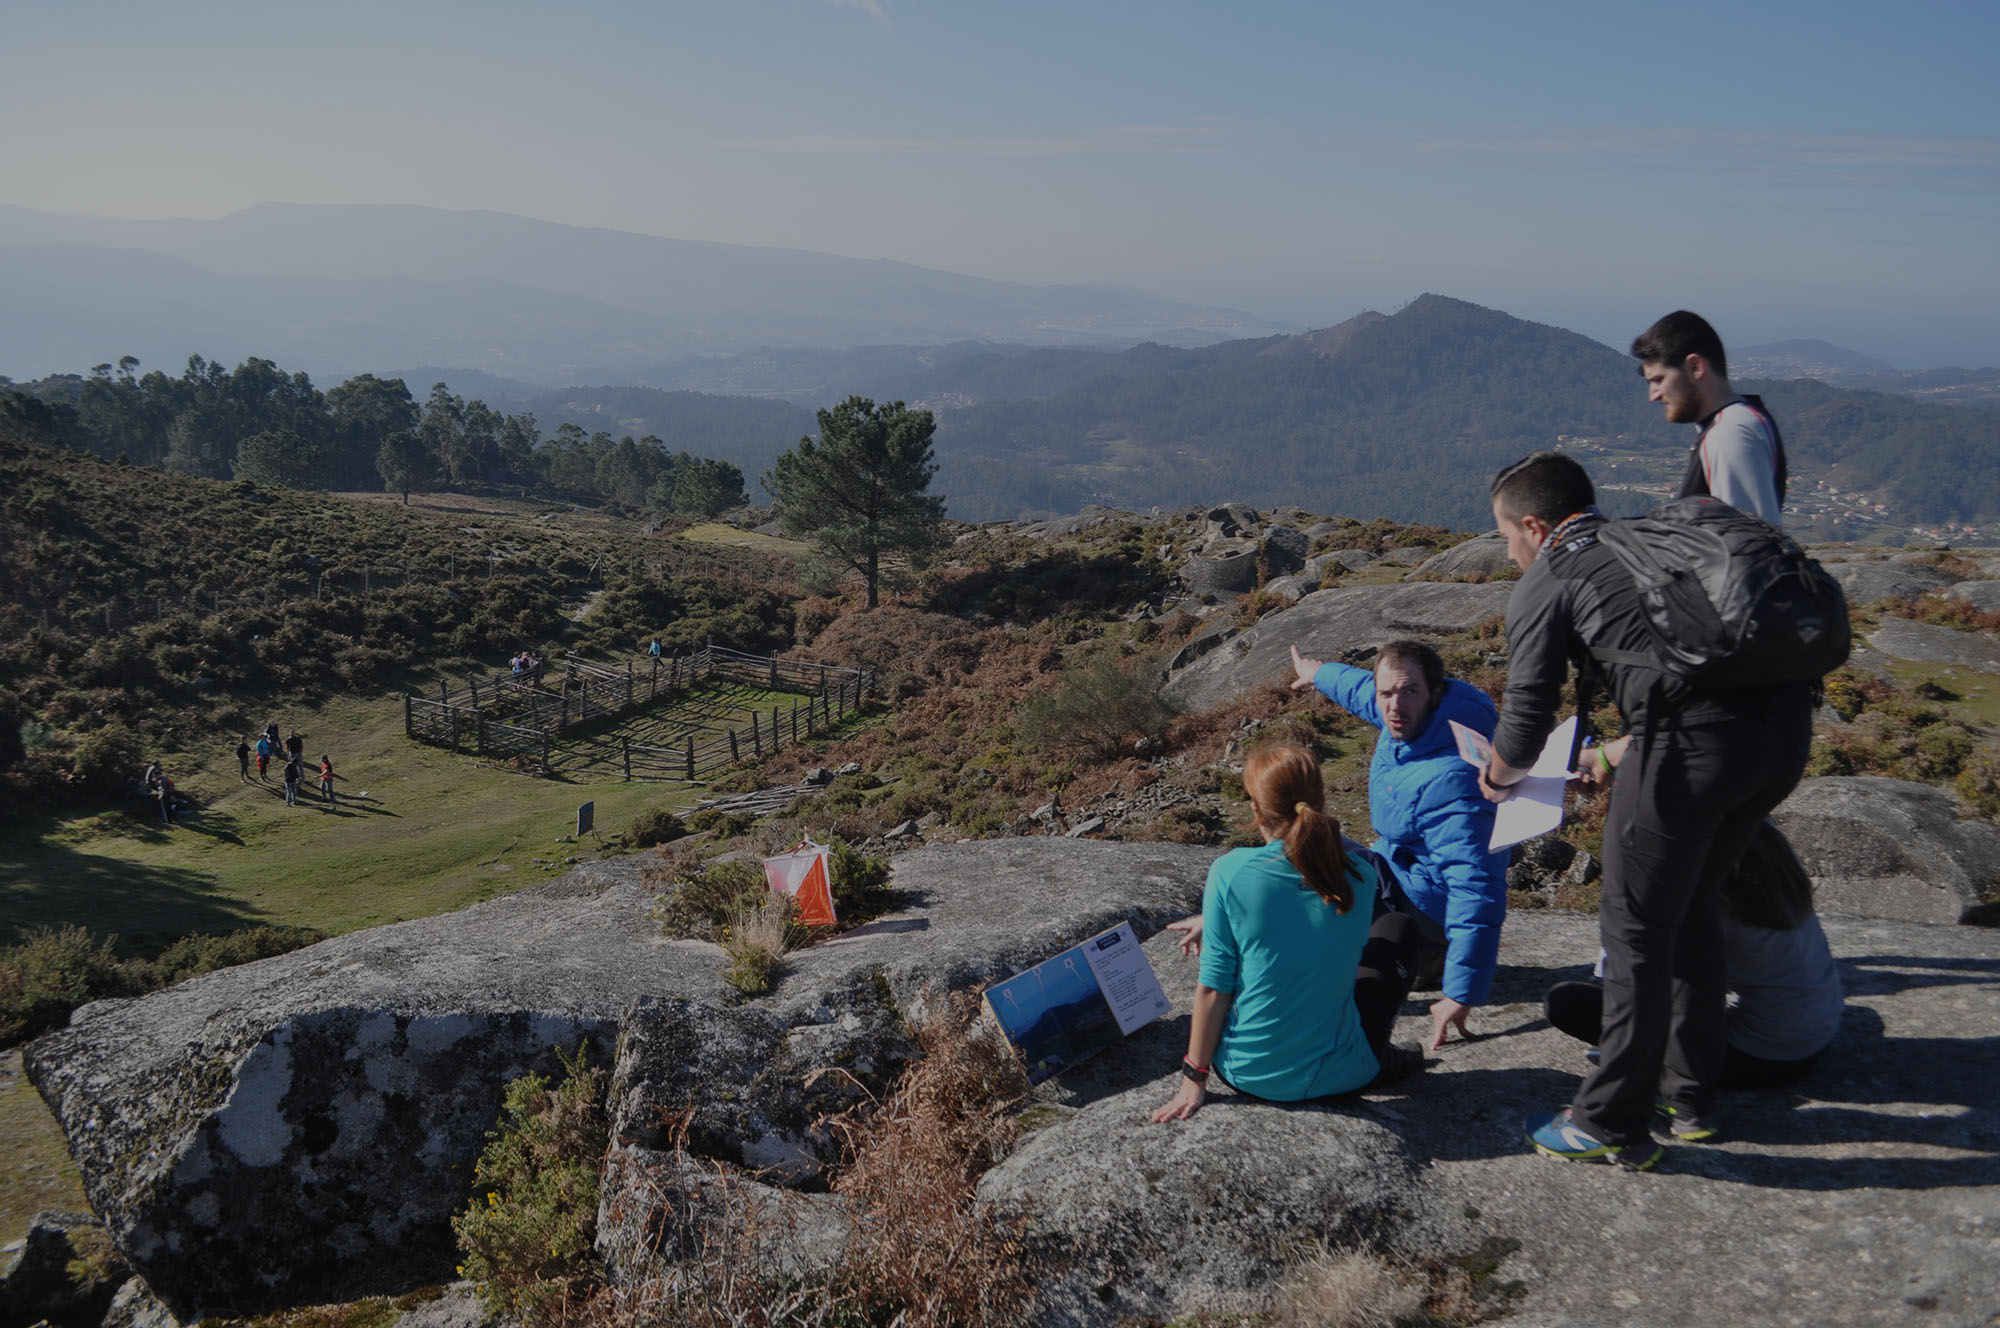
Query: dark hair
{"points": [[1769, 887], [1548, 485], [1407, 651], [1284, 785], [1677, 336]]}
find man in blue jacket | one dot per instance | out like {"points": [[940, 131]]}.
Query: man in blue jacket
{"points": [[1424, 801]]}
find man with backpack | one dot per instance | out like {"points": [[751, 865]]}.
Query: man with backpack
{"points": [[1706, 762], [1738, 456]]}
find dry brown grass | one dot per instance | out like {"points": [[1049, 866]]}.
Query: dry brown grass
{"points": [[1348, 1289], [924, 1252]]}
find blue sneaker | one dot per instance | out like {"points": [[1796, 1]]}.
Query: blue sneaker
{"points": [[1560, 1136]]}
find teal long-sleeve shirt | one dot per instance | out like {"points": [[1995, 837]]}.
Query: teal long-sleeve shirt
{"points": [[1289, 961]]}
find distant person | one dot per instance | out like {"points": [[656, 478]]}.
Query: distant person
{"points": [[1698, 771], [654, 649], [1788, 997], [271, 732], [266, 749], [1738, 456], [163, 786], [294, 775], [515, 666], [149, 779], [1431, 824], [326, 776], [1300, 983], [295, 747], [243, 759]]}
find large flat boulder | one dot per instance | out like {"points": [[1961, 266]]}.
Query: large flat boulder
{"points": [[1327, 622], [1904, 638], [303, 1127], [1872, 582], [1890, 848], [1867, 1195], [1477, 559]]}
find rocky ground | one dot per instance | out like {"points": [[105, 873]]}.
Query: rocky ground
{"points": [[1869, 1196]]}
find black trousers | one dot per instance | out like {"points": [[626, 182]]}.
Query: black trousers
{"points": [[1685, 805], [1577, 1008]]}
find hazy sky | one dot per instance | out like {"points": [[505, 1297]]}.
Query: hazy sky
{"points": [[1792, 170]]}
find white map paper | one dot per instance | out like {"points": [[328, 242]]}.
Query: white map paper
{"points": [[1536, 806]]}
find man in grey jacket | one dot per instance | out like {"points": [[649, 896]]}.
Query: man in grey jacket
{"points": [[1739, 456]]}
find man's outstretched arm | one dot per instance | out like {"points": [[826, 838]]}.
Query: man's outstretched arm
{"points": [[1350, 688]]}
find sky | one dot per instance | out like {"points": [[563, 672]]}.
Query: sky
{"points": [[1824, 170]]}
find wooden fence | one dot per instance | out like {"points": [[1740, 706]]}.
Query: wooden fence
{"points": [[517, 716]]}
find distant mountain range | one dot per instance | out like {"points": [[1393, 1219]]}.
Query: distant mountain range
{"points": [[337, 290], [1839, 367]]}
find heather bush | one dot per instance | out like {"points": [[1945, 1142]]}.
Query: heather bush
{"points": [[527, 1236], [1099, 709], [657, 825], [50, 973], [697, 899]]}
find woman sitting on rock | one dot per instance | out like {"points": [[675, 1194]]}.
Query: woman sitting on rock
{"points": [[1297, 996], [1787, 997]]}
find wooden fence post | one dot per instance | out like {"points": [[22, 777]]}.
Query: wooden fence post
{"points": [[406, 715], [480, 720], [734, 755], [625, 745], [774, 671], [690, 758], [756, 738], [795, 724], [628, 684]]}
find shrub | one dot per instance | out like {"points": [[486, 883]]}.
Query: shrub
{"points": [[109, 761], [1098, 710], [527, 1235], [655, 826], [49, 974], [701, 897], [192, 956], [859, 882]]}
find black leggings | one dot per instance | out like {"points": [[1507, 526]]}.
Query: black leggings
{"points": [[1577, 1008], [1382, 982]]}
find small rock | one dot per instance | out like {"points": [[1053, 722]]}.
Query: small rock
{"points": [[817, 776], [851, 768], [1088, 826], [135, 1306], [1048, 811], [907, 830]]}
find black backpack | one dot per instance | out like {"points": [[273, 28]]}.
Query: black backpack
{"points": [[1732, 601]]}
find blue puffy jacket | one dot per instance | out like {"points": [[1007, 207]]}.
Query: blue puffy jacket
{"points": [[1433, 824]]}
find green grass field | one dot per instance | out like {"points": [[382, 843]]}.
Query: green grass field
{"points": [[413, 831]]}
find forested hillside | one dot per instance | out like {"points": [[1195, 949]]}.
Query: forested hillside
{"points": [[259, 423]]}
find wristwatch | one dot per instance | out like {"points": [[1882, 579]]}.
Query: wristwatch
{"points": [[1189, 1070]]}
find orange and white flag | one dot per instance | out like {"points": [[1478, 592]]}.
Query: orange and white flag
{"points": [[805, 875]]}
